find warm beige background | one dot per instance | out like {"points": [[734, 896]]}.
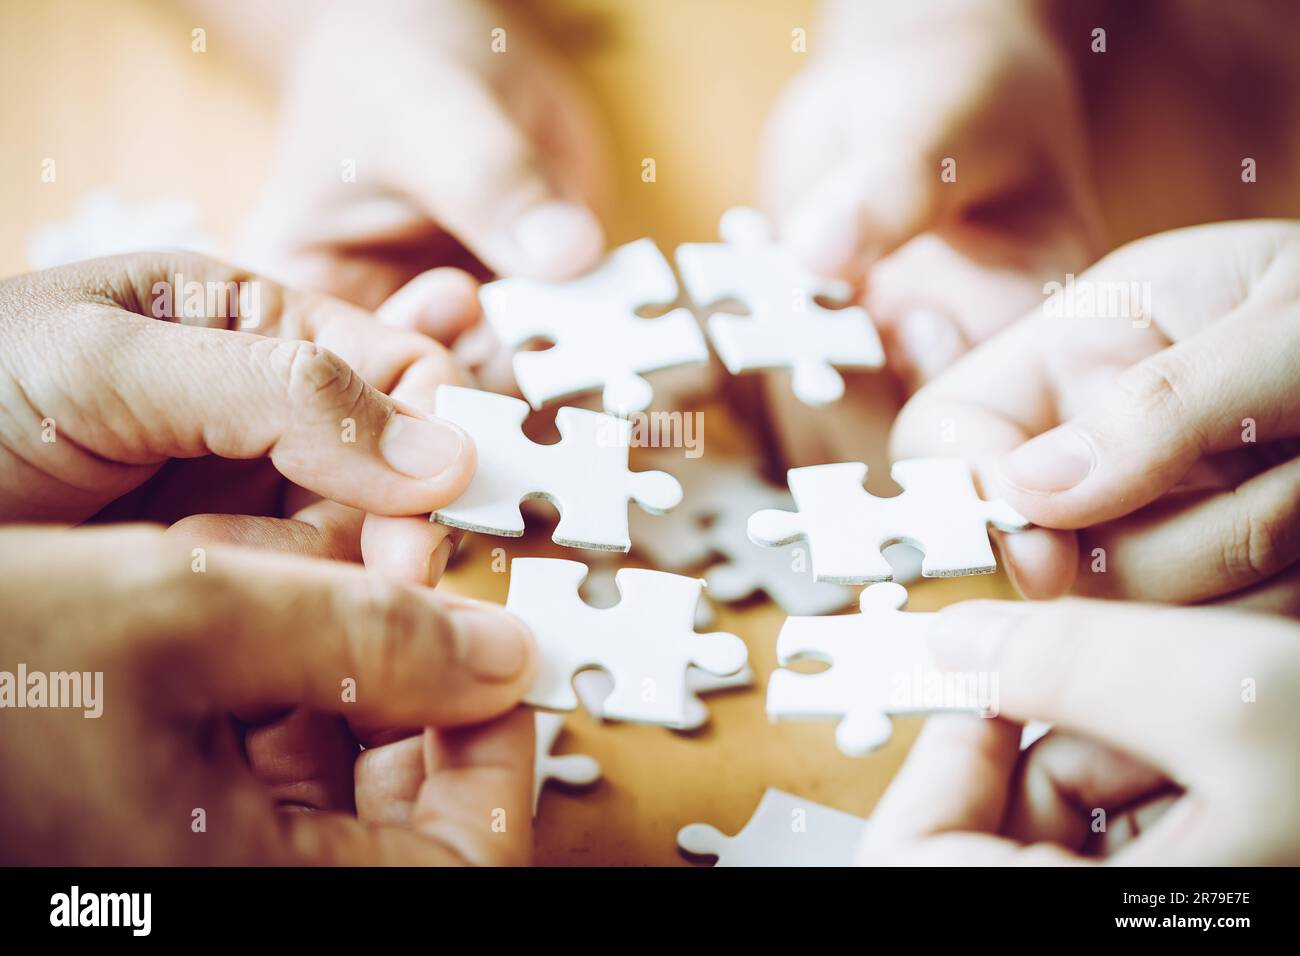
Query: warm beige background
{"points": [[113, 94]]}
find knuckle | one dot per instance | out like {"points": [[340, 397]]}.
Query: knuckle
{"points": [[316, 377], [1256, 546], [1156, 388]]}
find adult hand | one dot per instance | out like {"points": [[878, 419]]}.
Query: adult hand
{"points": [[115, 413], [1191, 711], [419, 134], [158, 776], [1145, 419], [934, 140]]}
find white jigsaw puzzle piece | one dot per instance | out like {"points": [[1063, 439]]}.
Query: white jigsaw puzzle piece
{"points": [[880, 665], [601, 590], [594, 686], [786, 327], [645, 643], [846, 527], [600, 341], [720, 493], [574, 770], [784, 830], [585, 474]]}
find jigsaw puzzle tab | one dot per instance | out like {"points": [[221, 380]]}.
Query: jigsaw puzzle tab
{"points": [[645, 643], [720, 493], [880, 665], [585, 474], [594, 686], [846, 527], [573, 770], [786, 326], [600, 341], [784, 830]]}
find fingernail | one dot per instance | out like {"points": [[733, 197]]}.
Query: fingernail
{"points": [[421, 447], [930, 341], [823, 240], [966, 637], [490, 642], [559, 237], [1054, 461]]}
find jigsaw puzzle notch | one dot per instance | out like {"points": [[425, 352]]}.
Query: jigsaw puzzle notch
{"points": [[645, 643]]}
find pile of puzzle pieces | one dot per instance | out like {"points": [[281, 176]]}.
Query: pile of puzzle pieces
{"points": [[624, 641]]}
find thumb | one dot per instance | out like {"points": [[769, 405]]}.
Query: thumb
{"points": [[492, 193], [1158, 419]]}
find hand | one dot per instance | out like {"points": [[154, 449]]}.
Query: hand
{"points": [[462, 156], [854, 162], [114, 414], [1154, 448], [1195, 712], [179, 651]]}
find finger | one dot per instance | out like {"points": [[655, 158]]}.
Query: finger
{"points": [[974, 758], [440, 303], [1042, 563], [1071, 790], [1145, 432], [862, 209], [1158, 683], [388, 780], [478, 791], [1278, 595], [979, 849], [304, 760], [324, 529], [473, 807], [1129, 825], [1197, 546], [274, 629], [414, 550], [492, 191], [880, 196]]}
